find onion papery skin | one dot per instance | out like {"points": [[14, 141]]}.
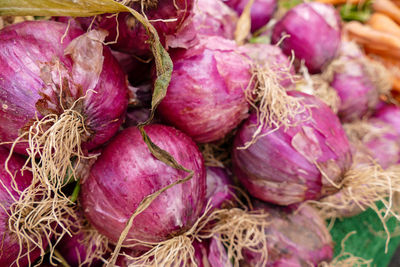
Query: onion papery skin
{"points": [[281, 166], [207, 88], [27, 50], [210, 17], [126, 172], [261, 11], [391, 115], [273, 56], [132, 36], [296, 239], [219, 189], [315, 34], [9, 243]]}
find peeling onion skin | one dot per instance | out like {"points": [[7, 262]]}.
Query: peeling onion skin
{"points": [[205, 98], [29, 46], [218, 187], [9, 243], [279, 167], [126, 172], [133, 38], [315, 34], [295, 238], [261, 11]]}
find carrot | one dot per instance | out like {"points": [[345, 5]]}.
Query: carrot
{"points": [[388, 8], [382, 51], [381, 22], [366, 35]]}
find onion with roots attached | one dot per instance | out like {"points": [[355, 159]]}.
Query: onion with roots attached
{"points": [[358, 81], [205, 98], [167, 17], [62, 94], [295, 238], [11, 188], [261, 11], [293, 164], [210, 17], [127, 172], [312, 31]]}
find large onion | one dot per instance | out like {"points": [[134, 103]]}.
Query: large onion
{"points": [[207, 88], [296, 163], [313, 31], [126, 172]]}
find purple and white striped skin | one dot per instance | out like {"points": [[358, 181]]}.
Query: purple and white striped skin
{"points": [[30, 74], [205, 98], [261, 11], [314, 34], [9, 244], [126, 172], [285, 166], [219, 191], [167, 17], [210, 17], [294, 238]]}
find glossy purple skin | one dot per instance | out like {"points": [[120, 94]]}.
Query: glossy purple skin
{"points": [[280, 167], [211, 253], [296, 239], [261, 11], [210, 17], [126, 172], [9, 244], [391, 115], [274, 57], [205, 98], [218, 187], [314, 30], [132, 35], [29, 46]]}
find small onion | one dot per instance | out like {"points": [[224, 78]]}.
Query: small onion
{"points": [[261, 11], [314, 34], [358, 82], [298, 238], [166, 16], [205, 98], [29, 79], [286, 166], [9, 244], [210, 17], [126, 172], [218, 187]]}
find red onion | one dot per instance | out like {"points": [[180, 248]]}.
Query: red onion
{"points": [[314, 34], [358, 82], [298, 238], [261, 11], [167, 16], [391, 115], [210, 17], [126, 172], [30, 81], [272, 55], [285, 166], [207, 88], [218, 187], [211, 253], [10, 247]]}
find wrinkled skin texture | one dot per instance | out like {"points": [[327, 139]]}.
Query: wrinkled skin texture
{"points": [[314, 30], [296, 238], [126, 172], [281, 167], [261, 11], [210, 17], [205, 98], [9, 243], [132, 35], [218, 187], [28, 58], [273, 56]]}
